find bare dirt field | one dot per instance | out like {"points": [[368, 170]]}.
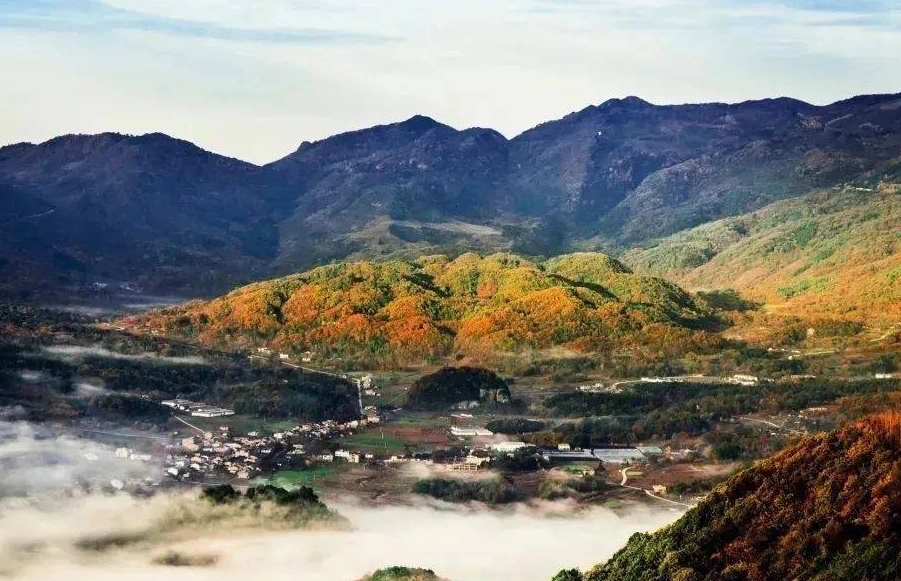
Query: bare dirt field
{"points": [[683, 472]]}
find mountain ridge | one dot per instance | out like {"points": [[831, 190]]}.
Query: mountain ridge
{"points": [[873, 98]]}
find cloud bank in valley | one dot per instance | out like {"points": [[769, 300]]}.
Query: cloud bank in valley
{"points": [[43, 529], [34, 461], [78, 352], [459, 544]]}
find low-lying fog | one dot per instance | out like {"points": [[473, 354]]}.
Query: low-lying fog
{"points": [[76, 352], [459, 544], [39, 536], [35, 461], [118, 305]]}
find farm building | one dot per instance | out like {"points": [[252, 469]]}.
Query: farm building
{"points": [[469, 431], [618, 455]]}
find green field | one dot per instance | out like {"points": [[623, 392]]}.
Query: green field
{"points": [[308, 477], [373, 441], [422, 421]]}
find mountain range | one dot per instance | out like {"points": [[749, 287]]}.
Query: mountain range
{"points": [[168, 216]]}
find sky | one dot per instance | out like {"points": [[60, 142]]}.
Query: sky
{"points": [[254, 78]]}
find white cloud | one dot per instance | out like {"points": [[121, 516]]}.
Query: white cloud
{"points": [[521, 543]]}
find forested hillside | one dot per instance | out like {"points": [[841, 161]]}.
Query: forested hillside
{"points": [[825, 510], [836, 253], [394, 312], [450, 386]]}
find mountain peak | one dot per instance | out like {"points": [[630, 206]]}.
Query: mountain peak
{"points": [[420, 122], [630, 101], [410, 128]]}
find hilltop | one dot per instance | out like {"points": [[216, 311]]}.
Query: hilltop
{"points": [[397, 573], [453, 386], [388, 313], [167, 216], [830, 254], [825, 509]]}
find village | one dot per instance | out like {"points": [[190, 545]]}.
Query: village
{"points": [[213, 445], [217, 454], [221, 453]]}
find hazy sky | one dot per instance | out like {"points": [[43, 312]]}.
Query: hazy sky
{"points": [[254, 78]]}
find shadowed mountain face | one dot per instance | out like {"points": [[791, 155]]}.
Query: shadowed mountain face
{"points": [[147, 208], [418, 170], [174, 217]]}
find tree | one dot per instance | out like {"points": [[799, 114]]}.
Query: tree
{"points": [[568, 575]]}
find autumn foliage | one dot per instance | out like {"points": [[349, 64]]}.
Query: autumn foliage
{"points": [[396, 312], [826, 509], [832, 254]]}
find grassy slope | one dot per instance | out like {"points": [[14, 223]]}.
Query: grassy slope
{"points": [[407, 311], [829, 254]]}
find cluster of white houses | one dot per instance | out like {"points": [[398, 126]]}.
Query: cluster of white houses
{"points": [[480, 456], [746, 380], [242, 456], [562, 454], [468, 432], [305, 357], [199, 410]]}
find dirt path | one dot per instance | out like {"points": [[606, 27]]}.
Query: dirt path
{"points": [[189, 424], [623, 483]]}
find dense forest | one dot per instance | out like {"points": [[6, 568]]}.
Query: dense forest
{"points": [[493, 491]]}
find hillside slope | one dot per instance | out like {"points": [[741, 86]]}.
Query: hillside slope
{"points": [[835, 253], [378, 189], [825, 510], [406, 311]]}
